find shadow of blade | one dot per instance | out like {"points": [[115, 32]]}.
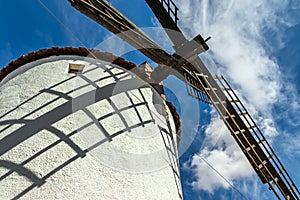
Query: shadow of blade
{"points": [[60, 112], [21, 170]]}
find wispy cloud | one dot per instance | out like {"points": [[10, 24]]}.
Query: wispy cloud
{"points": [[239, 31], [219, 155]]}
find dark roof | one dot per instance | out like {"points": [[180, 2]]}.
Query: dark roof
{"points": [[176, 119]]}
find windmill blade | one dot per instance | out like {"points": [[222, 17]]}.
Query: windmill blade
{"points": [[189, 67], [248, 136], [106, 15], [166, 13]]}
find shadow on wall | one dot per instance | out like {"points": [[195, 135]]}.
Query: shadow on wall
{"points": [[169, 143], [47, 120]]}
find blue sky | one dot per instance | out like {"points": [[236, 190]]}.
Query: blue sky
{"points": [[256, 46]]}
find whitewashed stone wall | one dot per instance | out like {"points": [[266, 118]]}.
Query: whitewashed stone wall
{"points": [[101, 134]]}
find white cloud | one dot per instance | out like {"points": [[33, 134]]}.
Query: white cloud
{"points": [[222, 153], [238, 30], [237, 36], [220, 156]]}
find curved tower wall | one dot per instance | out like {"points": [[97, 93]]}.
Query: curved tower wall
{"points": [[99, 134]]}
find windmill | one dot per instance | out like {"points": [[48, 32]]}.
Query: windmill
{"points": [[201, 84]]}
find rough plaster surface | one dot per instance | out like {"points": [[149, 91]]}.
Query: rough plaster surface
{"points": [[59, 139]]}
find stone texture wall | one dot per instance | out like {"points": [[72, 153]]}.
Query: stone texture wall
{"points": [[100, 134]]}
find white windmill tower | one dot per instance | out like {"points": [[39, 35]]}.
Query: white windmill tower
{"points": [[76, 126]]}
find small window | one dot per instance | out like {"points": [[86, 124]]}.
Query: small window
{"points": [[75, 68]]}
